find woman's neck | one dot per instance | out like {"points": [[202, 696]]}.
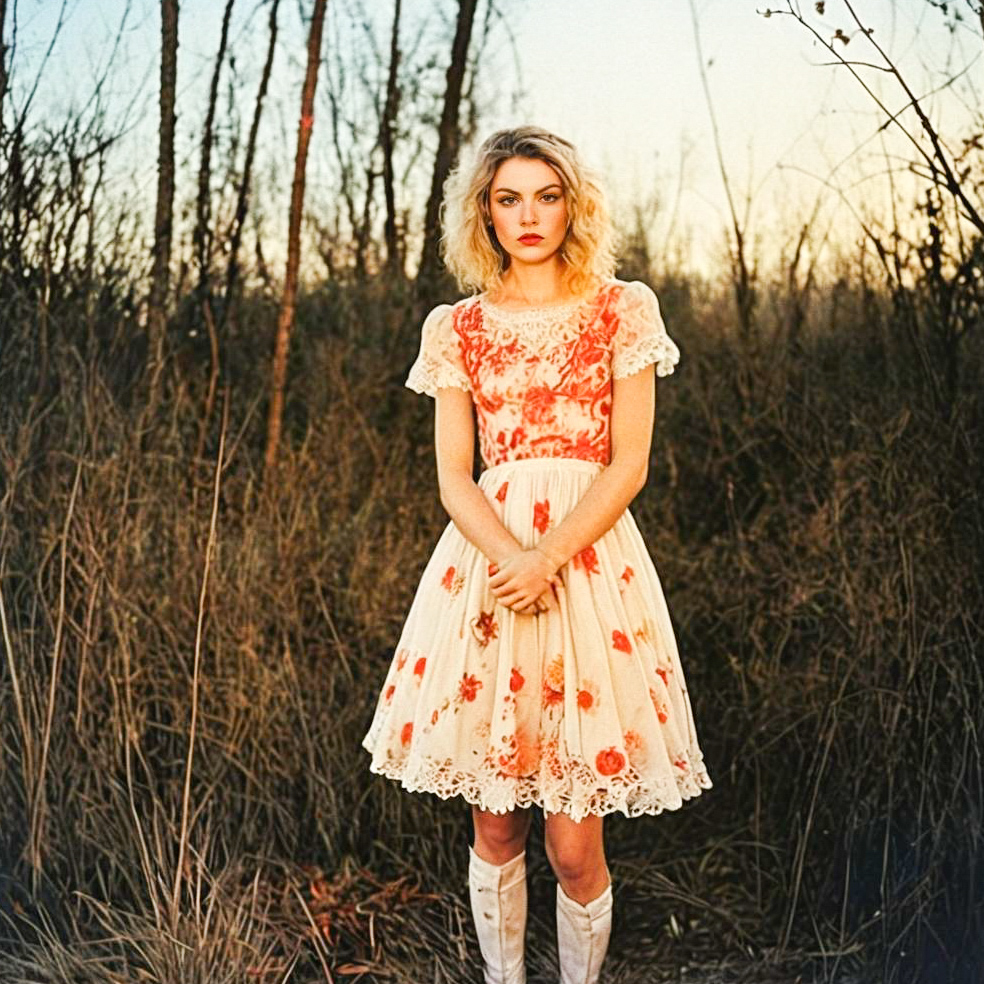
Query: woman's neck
{"points": [[533, 285]]}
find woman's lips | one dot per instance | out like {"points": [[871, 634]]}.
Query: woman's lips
{"points": [[531, 239]]}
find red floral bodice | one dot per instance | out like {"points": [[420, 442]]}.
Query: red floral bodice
{"points": [[541, 378]]}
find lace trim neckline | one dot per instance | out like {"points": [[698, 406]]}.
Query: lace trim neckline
{"points": [[538, 309]]}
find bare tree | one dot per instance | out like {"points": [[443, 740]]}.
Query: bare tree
{"points": [[202, 235], [286, 320], [163, 215], [447, 146], [242, 199], [394, 259], [3, 58], [948, 258], [742, 274]]}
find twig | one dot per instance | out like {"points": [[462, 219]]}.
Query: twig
{"points": [[196, 670]]}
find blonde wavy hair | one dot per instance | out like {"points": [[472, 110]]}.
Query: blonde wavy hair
{"points": [[469, 245]]}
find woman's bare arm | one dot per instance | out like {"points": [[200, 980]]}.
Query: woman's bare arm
{"points": [[470, 511]]}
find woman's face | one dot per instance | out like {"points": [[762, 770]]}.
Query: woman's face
{"points": [[528, 210]]}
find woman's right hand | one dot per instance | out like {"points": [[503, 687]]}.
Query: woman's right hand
{"points": [[525, 582]]}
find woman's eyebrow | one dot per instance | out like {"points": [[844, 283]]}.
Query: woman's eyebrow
{"points": [[539, 191]]}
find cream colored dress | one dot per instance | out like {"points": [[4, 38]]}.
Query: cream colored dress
{"points": [[583, 709]]}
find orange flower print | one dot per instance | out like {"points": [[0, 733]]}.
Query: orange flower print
{"points": [[406, 734], [401, 659], [434, 718], [469, 687], [627, 574], [500, 496], [452, 582], [661, 672], [661, 709], [538, 405], [516, 680], [587, 697], [520, 756], [485, 628], [554, 674], [587, 559], [541, 515], [553, 682], [610, 761], [390, 690], [680, 764], [632, 741], [621, 641], [418, 667]]}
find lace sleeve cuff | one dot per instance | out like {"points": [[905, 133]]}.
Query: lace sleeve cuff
{"points": [[641, 338], [438, 364]]}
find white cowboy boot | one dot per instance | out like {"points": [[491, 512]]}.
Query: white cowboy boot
{"points": [[498, 902], [582, 936]]}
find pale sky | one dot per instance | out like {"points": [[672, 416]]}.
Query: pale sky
{"points": [[620, 78]]}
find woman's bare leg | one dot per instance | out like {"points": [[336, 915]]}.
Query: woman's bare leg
{"points": [[497, 891], [500, 836], [576, 852]]}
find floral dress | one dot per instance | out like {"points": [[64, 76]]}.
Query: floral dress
{"points": [[582, 709]]}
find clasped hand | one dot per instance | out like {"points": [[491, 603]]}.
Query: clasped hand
{"points": [[525, 582]]}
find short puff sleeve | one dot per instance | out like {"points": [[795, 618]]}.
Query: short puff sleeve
{"points": [[439, 362], [641, 337]]}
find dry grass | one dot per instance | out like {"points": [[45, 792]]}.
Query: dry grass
{"points": [[818, 527]]}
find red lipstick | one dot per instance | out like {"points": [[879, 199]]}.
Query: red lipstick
{"points": [[531, 239]]}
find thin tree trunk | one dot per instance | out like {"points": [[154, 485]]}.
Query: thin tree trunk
{"points": [[394, 261], [447, 144], [3, 58], [242, 201], [286, 320], [163, 216], [201, 239]]}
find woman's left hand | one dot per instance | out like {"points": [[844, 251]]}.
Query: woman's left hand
{"points": [[525, 581]]}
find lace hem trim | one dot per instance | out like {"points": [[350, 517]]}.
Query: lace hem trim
{"points": [[500, 795]]}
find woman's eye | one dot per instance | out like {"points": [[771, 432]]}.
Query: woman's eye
{"points": [[507, 200], [550, 196]]}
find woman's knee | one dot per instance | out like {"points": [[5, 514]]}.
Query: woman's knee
{"points": [[502, 835], [575, 851]]}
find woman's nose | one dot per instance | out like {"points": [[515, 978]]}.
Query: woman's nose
{"points": [[528, 214]]}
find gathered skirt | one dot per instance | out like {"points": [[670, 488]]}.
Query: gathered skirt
{"points": [[580, 710]]}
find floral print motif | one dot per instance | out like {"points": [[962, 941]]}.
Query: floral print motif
{"points": [[553, 682], [587, 560], [452, 582], [541, 389], [516, 680], [419, 666], [500, 496], [469, 687], [662, 713], [621, 641], [587, 697], [541, 516], [406, 733], [485, 628], [610, 761]]}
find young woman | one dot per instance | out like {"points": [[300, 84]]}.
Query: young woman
{"points": [[537, 665]]}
